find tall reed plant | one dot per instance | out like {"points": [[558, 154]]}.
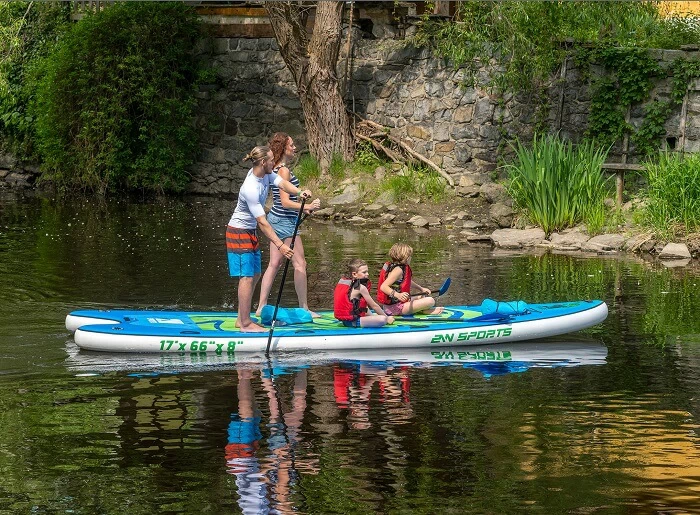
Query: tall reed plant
{"points": [[559, 185], [673, 193]]}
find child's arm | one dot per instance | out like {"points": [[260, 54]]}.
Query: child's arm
{"points": [[370, 301], [416, 286], [391, 279]]}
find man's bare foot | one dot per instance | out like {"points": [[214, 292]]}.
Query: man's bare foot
{"points": [[436, 311], [252, 327]]}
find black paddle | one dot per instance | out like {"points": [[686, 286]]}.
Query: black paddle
{"points": [[440, 292], [284, 276]]}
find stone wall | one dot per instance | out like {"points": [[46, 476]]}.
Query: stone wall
{"points": [[422, 99], [16, 174]]}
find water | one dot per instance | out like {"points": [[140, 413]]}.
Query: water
{"points": [[604, 421]]}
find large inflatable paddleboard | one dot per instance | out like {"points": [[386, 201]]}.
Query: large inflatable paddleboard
{"points": [[215, 332]]}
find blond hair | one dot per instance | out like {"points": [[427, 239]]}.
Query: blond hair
{"points": [[400, 253], [354, 266], [257, 155]]}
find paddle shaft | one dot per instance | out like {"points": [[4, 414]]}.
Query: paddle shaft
{"points": [[284, 276]]}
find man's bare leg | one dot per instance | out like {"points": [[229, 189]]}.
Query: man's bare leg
{"points": [[246, 285]]}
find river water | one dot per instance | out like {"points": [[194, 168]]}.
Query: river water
{"points": [[604, 421]]}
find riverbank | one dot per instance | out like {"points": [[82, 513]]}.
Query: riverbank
{"points": [[482, 214], [476, 212]]}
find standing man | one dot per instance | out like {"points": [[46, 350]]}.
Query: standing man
{"points": [[243, 250]]}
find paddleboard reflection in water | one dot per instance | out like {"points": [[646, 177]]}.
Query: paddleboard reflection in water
{"points": [[490, 360]]}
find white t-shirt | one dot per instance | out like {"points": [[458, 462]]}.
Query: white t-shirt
{"points": [[251, 199]]}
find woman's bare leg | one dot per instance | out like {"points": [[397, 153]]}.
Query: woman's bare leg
{"points": [[268, 278], [300, 277]]}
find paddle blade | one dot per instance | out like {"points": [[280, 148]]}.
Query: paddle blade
{"points": [[284, 315], [444, 286]]}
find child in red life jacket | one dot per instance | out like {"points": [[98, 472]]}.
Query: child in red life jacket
{"points": [[351, 299], [395, 284]]}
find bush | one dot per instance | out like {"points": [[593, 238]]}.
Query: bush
{"points": [[559, 185], [673, 193], [115, 100], [27, 33]]}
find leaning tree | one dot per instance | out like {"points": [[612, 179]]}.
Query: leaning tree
{"points": [[312, 59]]}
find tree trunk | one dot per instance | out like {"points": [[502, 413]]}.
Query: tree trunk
{"points": [[313, 65]]}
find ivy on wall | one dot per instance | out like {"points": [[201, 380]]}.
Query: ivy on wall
{"points": [[630, 78]]}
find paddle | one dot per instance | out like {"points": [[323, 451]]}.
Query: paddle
{"points": [[440, 292], [284, 276]]}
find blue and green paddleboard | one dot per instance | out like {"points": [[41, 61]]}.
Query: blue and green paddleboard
{"points": [[215, 332]]}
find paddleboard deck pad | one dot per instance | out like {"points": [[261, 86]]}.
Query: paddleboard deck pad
{"points": [[215, 332]]}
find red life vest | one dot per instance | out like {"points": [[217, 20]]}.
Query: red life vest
{"points": [[400, 286], [345, 308]]}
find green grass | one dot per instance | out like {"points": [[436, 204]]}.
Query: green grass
{"points": [[336, 170], [559, 185], [307, 169], [416, 182], [673, 193]]}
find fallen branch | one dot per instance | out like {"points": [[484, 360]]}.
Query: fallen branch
{"points": [[380, 148], [374, 132]]}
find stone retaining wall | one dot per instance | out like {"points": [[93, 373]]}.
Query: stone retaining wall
{"points": [[422, 99]]}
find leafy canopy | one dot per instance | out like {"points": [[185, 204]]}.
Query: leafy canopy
{"points": [[115, 99]]}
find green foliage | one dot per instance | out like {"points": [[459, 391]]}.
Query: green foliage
{"points": [[28, 31], [115, 99], [307, 169], [606, 119], [673, 193], [683, 71], [523, 37], [416, 181], [559, 185], [648, 135], [366, 159], [337, 167], [630, 80]]}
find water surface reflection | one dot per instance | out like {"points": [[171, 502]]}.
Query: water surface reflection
{"points": [[606, 421]]}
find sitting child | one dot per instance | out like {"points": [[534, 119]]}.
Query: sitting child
{"points": [[351, 299], [395, 283]]}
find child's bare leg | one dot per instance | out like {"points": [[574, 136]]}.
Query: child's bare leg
{"points": [[375, 321], [424, 304]]}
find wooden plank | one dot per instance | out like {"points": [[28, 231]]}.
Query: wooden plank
{"points": [[622, 166], [682, 123], [562, 78]]}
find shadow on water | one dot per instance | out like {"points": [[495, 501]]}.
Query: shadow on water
{"points": [[604, 421]]}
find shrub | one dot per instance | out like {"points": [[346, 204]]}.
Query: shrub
{"points": [[27, 33], [115, 100], [673, 193], [558, 185]]}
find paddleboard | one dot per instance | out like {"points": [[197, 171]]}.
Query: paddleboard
{"points": [[215, 332]]}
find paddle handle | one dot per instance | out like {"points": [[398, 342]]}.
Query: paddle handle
{"points": [[284, 276]]}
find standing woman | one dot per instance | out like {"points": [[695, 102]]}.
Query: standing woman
{"points": [[242, 248], [282, 218]]}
